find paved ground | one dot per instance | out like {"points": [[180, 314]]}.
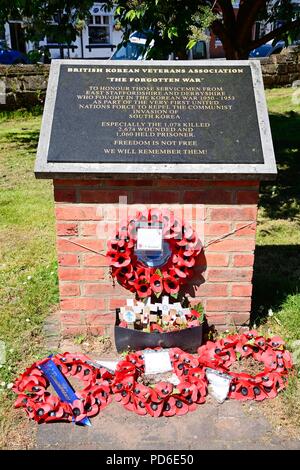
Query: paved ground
{"points": [[212, 426], [231, 425]]}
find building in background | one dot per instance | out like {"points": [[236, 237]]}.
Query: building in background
{"points": [[100, 36], [97, 40]]}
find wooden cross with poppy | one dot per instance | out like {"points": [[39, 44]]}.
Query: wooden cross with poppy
{"points": [[128, 315], [165, 306], [182, 312], [147, 317]]}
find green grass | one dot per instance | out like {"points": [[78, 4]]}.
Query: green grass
{"points": [[28, 282], [276, 298], [28, 278], [277, 261]]}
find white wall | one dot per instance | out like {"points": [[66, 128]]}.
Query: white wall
{"points": [[96, 53]]}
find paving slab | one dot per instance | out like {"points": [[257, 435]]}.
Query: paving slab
{"points": [[231, 425], [211, 426]]}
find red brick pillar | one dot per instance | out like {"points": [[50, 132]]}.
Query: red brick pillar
{"points": [[87, 212]]}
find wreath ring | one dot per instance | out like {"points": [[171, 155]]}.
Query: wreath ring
{"points": [[134, 271], [42, 406], [163, 398], [277, 362]]}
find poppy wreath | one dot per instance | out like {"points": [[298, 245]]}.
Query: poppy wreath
{"points": [[42, 406], [277, 361], [163, 398], [144, 281]]}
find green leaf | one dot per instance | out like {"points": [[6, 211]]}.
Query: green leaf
{"points": [[118, 10], [158, 271], [175, 296], [130, 15], [191, 43], [238, 355], [172, 32]]}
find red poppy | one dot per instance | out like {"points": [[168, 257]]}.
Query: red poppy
{"points": [[187, 389], [124, 369], [269, 358], [33, 384], [78, 410], [115, 244], [242, 391], [168, 408], [154, 408], [144, 273], [141, 392], [59, 414], [177, 406], [142, 287], [209, 355], [193, 323], [195, 375], [176, 229], [244, 348], [171, 285], [135, 359], [130, 406], [155, 216], [123, 397], [124, 272], [260, 342], [276, 342], [187, 261], [132, 231], [271, 392], [156, 327], [91, 406], [189, 360], [179, 368], [129, 281], [140, 407], [83, 371], [287, 359], [175, 354], [164, 389], [182, 271], [101, 393], [251, 334], [120, 259], [58, 410], [21, 401], [156, 284], [123, 324]]}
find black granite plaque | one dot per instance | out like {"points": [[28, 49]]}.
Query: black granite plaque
{"points": [[155, 114]]}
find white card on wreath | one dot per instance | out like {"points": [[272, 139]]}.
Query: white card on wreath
{"points": [[149, 239], [157, 362]]}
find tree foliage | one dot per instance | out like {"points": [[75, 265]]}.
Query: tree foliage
{"points": [[38, 17], [177, 24]]}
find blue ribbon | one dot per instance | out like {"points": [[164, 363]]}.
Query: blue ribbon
{"points": [[61, 385]]}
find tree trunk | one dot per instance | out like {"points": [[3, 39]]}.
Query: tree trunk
{"points": [[235, 54]]}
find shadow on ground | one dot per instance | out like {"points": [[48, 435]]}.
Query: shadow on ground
{"points": [[28, 138], [276, 275], [277, 267], [281, 198]]}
